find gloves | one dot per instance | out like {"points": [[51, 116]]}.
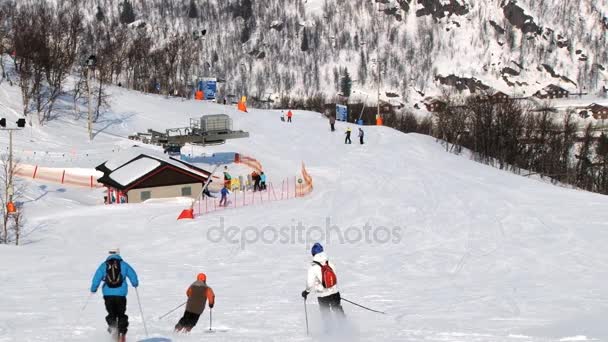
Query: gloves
{"points": [[210, 306], [304, 294]]}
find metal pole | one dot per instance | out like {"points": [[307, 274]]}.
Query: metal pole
{"points": [[377, 57], [10, 165], [90, 121], [306, 314], [210, 318], [141, 311], [167, 314]]}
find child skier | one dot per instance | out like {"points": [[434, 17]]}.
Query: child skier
{"points": [[198, 294], [322, 279], [224, 199], [361, 134], [289, 115], [262, 181], [114, 273], [227, 177]]}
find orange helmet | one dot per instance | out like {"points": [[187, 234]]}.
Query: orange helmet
{"points": [[201, 277]]}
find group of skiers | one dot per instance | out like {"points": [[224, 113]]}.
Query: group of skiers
{"points": [[114, 272], [289, 115], [258, 180], [348, 132]]}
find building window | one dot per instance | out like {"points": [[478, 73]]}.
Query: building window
{"points": [[145, 195], [187, 191]]}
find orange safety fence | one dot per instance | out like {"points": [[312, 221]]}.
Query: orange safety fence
{"points": [[305, 183], [248, 161], [59, 176], [289, 188]]}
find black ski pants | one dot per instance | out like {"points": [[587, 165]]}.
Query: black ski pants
{"points": [[330, 304], [188, 321], [116, 307]]}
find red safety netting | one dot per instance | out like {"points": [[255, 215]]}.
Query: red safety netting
{"points": [[289, 188], [59, 176]]}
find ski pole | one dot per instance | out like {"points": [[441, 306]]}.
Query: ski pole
{"points": [[210, 318], [142, 312], [361, 306], [306, 315], [86, 303], [165, 315]]}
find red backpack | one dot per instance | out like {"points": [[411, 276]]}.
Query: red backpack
{"points": [[328, 277]]}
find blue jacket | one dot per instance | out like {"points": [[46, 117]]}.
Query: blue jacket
{"points": [[263, 177], [225, 192], [126, 271]]}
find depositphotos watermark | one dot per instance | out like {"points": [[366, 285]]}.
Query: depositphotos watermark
{"points": [[302, 234]]}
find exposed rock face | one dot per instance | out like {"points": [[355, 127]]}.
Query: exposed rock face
{"points": [[462, 83], [438, 10], [497, 27], [518, 18]]}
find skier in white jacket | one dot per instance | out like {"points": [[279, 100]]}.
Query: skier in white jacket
{"points": [[322, 279]]}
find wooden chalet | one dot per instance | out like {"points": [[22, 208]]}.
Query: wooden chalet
{"points": [[139, 177]]}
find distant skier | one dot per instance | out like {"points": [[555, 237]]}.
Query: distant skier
{"points": [[198, 294], [227, 177], [332, 123], [347, 139], [361, 134], [262, 181], [322, 279], [114, 273], [256, 180], [224, 199], [283, 116], [289, 115]]}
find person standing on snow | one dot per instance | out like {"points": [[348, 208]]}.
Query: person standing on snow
{"points": [[256, 180], [227, 177], [114, 273], [347, 139], [322, 279], [198, 294], [262, 181], [289, 115], [224, 199], [332, 123], [361, 134]]}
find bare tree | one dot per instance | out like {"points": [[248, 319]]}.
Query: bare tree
{"points": [[9, 194]]}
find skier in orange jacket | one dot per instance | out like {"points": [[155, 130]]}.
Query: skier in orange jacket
{"points": [[198, 294]]}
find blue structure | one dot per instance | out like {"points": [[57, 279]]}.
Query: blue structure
{"points": [[216, 158], [209, 87], [341, 113]]}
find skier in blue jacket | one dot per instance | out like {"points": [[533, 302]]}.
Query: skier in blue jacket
{"points": [[262, 181], [114, 273]]}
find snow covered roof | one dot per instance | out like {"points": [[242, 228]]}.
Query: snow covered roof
{"points": [[134, 170], [124, 170]]}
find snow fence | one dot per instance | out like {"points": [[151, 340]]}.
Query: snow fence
{"points": [[72, 177], [289, 188]]}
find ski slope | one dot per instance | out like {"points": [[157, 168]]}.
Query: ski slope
{"points": [[467, 252]]}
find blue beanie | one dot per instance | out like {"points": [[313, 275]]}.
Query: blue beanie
{"points": [[316, 249]]}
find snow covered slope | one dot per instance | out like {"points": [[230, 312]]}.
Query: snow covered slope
{"points": [[452, 250]]}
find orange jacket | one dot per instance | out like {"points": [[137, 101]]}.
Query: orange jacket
{"points": [[208, 293], [289, 114]]}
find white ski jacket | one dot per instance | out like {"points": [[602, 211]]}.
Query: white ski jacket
{"points": [[315, 281]]}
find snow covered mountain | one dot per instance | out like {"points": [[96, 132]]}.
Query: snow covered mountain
{"points": [[451, 249], [300, 48]]}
